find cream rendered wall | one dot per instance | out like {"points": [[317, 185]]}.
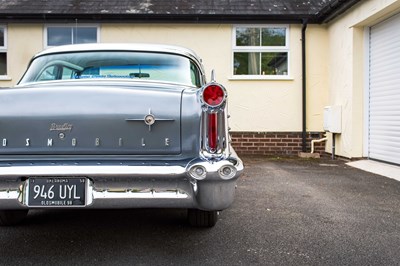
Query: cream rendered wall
{"points": [[255, 105], [317, 47], [348, 69], [24, 41]]}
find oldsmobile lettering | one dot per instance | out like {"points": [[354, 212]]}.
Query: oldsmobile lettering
{"points": [[60, 127], [50, 142]]}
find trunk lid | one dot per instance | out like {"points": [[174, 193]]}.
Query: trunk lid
{"points": [[81, 119]]}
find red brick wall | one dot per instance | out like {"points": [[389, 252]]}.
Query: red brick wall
{"points": [[274, 143]]}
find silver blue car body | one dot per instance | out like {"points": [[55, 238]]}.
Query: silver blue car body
{"points": [[116, 126]]}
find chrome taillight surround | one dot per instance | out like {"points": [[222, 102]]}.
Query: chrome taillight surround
{"points": [[214, 124]]}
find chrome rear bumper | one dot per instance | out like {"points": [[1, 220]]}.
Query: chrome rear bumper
{"points": [[134, 186]]}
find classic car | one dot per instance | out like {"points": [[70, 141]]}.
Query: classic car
{"points": [[99, 126]]}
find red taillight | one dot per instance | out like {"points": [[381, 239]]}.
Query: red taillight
{"points": [[212, 132], [213, 98], [213, 95]]}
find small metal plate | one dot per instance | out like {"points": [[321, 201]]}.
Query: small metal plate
{"points": [[56, 192]]}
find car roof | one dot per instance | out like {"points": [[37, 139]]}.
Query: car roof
{"points": [[139, 47]]}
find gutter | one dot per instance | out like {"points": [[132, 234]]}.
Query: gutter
{"points": [[335, 9], [304, 84], [152, 18]]}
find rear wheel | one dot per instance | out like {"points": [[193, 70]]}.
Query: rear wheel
{"points": [[201, 218], [12, 217]]}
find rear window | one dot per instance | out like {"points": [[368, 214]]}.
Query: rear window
{"points": [[113, 65]]}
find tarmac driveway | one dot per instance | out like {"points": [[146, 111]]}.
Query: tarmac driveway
{"points": [[287, 212], [319, 212]]}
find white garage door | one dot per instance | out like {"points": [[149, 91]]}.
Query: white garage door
{"points": [[384, 91]]}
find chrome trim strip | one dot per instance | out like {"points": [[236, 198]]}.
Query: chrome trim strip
{"points": [[152, 194], [93, 170], [9, 194], [117, 170]]}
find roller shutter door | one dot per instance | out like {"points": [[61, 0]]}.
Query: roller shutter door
{"points": [[384, 91]]}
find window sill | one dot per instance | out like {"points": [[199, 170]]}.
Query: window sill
{"points": [[5, 78], [266, 78]]}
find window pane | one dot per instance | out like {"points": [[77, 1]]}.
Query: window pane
{"points": [[67, 73], [48, 74], [2, 43], [247, 36], [3, 64], [195, 75], [247, 64], [273, 37], [274, 64], [85, 35], [58, 36]]}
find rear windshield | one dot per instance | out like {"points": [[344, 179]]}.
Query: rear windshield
{"points": [[113, 65]]}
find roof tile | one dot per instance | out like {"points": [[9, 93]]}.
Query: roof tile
{"points": [[151, 9]]}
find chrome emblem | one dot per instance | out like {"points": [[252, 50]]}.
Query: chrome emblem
{"points": [[149, 119], [61, 127]]}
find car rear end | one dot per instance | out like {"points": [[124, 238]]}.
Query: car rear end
{"points": [[116, 143]]}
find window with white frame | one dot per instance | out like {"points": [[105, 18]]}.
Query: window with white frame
{"points": [[61, 35], [3, 51], [261, 51]]}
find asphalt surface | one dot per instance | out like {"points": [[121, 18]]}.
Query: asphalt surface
{"points": [[286, 212]]}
